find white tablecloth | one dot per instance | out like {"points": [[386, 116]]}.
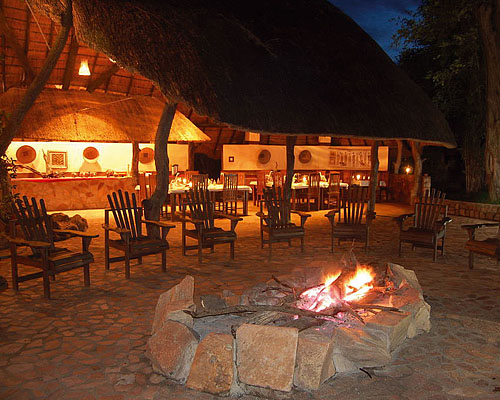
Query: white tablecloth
{"points": [[213, 188]]}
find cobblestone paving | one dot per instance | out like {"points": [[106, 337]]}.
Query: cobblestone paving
{"points": [[88, 343]]}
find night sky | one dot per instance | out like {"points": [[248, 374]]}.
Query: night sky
{"points": [[377, 17]]}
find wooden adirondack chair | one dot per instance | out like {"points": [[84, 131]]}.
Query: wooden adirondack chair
{"points": [[429, 223], [489, 247], [351, 223], [202, 216], [132, 242], [277, 223], [38, 234]]}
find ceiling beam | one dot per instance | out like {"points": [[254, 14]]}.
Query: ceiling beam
{"points": [[103, 78], [217, 142], [130, 82], [70, 62], [12, 42], [27, 31], [232, 136]]}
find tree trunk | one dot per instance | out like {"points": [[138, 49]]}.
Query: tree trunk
{"points": [[290, 164], [15, 120], [152, 206], [489, 26], [474, 165], [135, 162], [397, 164], [416, 151], [373, 178]]}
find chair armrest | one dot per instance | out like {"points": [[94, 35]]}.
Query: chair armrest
{"points": [[438, 225], [157, 223], [261, 215], [332, 213], [303, 216], [23, 242], [477, 226], [75, 233], [227, 216], [403, 217], [471, 229], [115, 229], [191, 220]]}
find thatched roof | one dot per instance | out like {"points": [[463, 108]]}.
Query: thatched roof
{"points": [[270, 66], [97, 117]]}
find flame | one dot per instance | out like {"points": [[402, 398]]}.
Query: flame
{"points": [[328, 295]]}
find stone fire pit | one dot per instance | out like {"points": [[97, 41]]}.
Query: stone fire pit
{"points": [[268, 353]]}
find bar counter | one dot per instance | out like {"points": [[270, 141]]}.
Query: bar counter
{"points": [[79, 193]]}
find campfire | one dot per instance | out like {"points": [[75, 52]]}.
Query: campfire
{"points": [[293, 331]]}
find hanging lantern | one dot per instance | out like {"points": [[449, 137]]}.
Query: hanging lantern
{"points": [[84, 68]]}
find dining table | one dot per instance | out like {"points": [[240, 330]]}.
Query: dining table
{"points": [[177, 192]]}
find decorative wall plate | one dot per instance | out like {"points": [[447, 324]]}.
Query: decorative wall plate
{"points": [[146, 155], [90, 154], [25, 154], [305, 156], [264, 157]]}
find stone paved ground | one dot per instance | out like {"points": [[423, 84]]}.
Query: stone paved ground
{"points": [[88, 343]]}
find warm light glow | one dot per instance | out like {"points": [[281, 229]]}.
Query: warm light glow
{"points": [[408, 170], [184, 181], [304, 179], [358, 177], [84, 68], [329, 294]]}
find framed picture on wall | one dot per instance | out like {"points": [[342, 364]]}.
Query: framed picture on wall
{"points": [[57, 159]]}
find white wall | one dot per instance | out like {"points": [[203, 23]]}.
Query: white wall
{"points": [[245, 157], [114, 156]]}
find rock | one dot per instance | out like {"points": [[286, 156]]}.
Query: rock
{"points": [[212, 302], [421, 320], [362, 347], [314, 363], [63, 221], [179, 297], [399, 274], [394, 324], [212, 368], [411, 300], [171, 350], [266, 356]]}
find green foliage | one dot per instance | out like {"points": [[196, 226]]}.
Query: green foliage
{"points": [[442, 53]]}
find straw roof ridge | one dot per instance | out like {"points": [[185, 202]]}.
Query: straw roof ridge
{"points": [[270, 66]]}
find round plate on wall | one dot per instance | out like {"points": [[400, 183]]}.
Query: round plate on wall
{"points": [[264, 157], [305, 156], [90, 154], [25, 154], [146, 155]]}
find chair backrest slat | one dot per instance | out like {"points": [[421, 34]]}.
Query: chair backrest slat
{"points": [[200, 206], [126, 213], [278, 208], [230, 188], [35, 223], [200, 181], [352, 204], [314, 184], [429, 209]]}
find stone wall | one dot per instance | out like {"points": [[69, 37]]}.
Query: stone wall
{"points": [[474, 210]]}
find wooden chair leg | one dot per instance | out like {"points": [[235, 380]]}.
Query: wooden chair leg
{"points": [[199, 252], [435, 250], [106, 250], [86, 275], [442, 246], [127, 264], [471, 260], [163, 260], [13, 264], [232, 250], [183, 244], [46, 284]]}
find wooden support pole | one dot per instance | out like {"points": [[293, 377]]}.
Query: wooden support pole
{"points": [[14, 122], [103, 78], [290, 164], [397, 164], [152, 206], [373, 178], [416, 151], [135, 162], [13, 43], [70, 62], [191, 149]]}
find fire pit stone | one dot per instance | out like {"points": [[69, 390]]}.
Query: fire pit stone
{"points": [[286, 342]]}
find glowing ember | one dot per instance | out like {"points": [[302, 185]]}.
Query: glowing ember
{"points": [[329, 294]]}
